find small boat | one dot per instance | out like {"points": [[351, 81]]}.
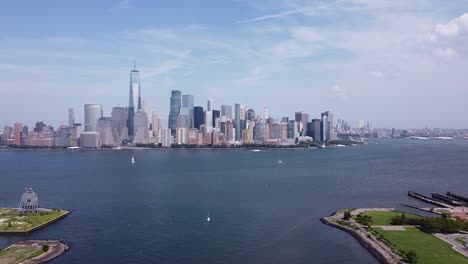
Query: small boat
{"points": [[255, 150], [133, 160], [280, 162], [321, 146], [208, 218]]}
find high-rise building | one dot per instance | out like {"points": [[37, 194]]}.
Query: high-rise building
{"points": [[187, 102], [71, 116], [313, 129], [183, 120], [7, 132], [155, 125], [119, 124], [237, 118], [259, 132], [324, 128], [165, 137], [250, 115], [198, 117], [90, 140], [175, 104], [134, 88], [291, 128], [327, 126], [17, 133], [229, 131], [141, 128], [226, 110], [181, 135], [92, 114], [63, 137], [215, 114], [302, 118], [104, 127], [209, 105]]}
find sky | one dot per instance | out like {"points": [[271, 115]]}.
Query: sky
{"points": [[393, 63]]}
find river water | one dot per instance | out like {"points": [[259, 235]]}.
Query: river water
{"points": [[261, 211]]}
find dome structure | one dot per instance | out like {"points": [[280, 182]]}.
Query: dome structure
{"points": [[29, 202]]}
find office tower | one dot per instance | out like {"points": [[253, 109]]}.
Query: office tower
{"points": [[92, 114], [187, 102], [155, 125], [291, 128], [327, 126], [209, 120], [237, 112], [40, 127], [175, 104], [181, 135], [134, 88], [259, 132], [265, 113], [250, 115], [302, 118], [63, 137], [90, 140], [313, 129], [75, 135], [17, 133], [226, 110], [209, 105], [183, 120], [198, 117], [242, 112], [141, 128], [24, 130], [7, 132], [275, 130], [285, 119], [119, 118], [215, 114], [71, 116], [166, 137], [104, 127], [229, 131]]}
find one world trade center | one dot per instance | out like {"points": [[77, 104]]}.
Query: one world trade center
{"points": [[134, 88]]}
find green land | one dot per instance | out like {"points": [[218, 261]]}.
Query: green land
{"points": [[11, 221], [429, 248], [384, 218], [17, 254]]}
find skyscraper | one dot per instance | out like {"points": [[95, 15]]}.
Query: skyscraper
{"points": [[183, 120], [198, 117], [237, 117], [119, 124], [187, 102], [327, 126], [175, 104], [17, 133], [155, 125], [134, 87], [104, 127], [141, 127], [226, 110], [302, 118], [215, 114], [250, 115], [314, 129], [92, 114], [209, 105], [71, 116]]}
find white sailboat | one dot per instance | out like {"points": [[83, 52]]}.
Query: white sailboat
{"points": [[208, 218], [133, 160], [280, 162]]}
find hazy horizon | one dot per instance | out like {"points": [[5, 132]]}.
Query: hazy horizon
{"points": [[395, 64]]}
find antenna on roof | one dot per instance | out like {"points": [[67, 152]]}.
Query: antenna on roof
{"points": [[134, 64]]}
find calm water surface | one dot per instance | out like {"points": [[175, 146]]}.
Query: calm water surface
{"points": [[261, 211]]}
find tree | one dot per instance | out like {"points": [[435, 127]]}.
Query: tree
{"points": [[347, 215], [411, 256], [45, 248]]}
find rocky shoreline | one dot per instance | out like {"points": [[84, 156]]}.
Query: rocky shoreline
{"points": [[378, 249], [55, 248]]}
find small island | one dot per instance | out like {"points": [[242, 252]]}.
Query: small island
{"points": [[32, 251], [12, 222]]}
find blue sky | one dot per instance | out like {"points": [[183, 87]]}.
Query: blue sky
{"points": [[397, 63]]}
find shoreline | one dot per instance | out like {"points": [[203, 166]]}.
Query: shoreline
{"points": [[55, 249], [376, 248], [32, 229]]}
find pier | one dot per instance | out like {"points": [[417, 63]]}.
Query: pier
{"points": [[446, 199], [428, 199], [458, 197]]}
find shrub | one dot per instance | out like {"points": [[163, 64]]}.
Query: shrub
{"points": [[45, 248]]}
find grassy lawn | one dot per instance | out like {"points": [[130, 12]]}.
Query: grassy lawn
{"points": [[382, 218], [17, 254], [14, 222], [430, 249]]}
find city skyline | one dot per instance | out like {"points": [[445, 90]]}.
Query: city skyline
{"points": [[396, 64]]}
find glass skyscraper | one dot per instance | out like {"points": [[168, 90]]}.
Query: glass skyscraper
{"points": [[134, 88], [92, 114], [175, 104]]}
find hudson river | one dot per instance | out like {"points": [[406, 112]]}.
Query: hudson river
{"points": [[261, 211]]}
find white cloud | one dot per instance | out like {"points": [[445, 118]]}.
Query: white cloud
{"points": [[339, 91], [446, 52], [454, 27]]}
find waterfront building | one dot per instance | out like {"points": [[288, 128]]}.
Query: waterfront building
{"points": [[7, 133], [259, 132], [92, 114], [155, 126], [187, 102], [226, 110], [209, 120], [40, 139], [291, 128], [284, 131], [242, 112], [327, 126], [237, 118], [181, 135], [90, 140], [29, 203], [104, 127], [175, 104], [119, 119], [313, 129], [17, 127], [141, 135], [198, 117], [183, 120], [165, 137], [63, 136], [75, 135], [215, 137], [275, 131], [71, 116], [229, 131], [192, 136], [250, 115], [302, 118]]}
